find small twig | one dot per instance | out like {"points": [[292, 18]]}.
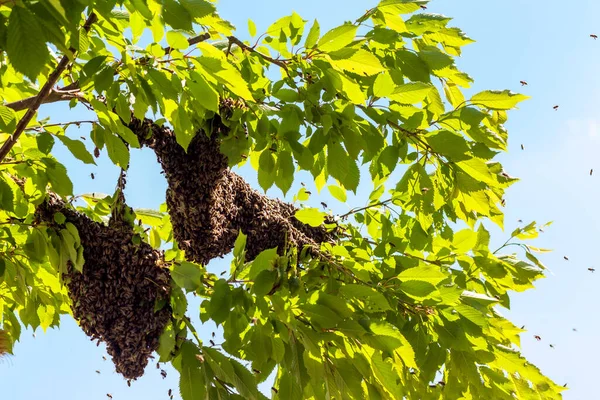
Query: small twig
{"points": [[242, 45], [355, 210], [191, 41], [65, 124], [43, 94]]}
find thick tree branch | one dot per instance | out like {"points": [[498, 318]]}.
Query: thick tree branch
{"points": [[73, 91], [42, 95], [52, 97]]}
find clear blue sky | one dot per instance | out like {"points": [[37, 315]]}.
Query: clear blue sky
{"points": [[544, 42]]}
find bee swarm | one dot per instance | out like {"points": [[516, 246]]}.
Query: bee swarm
{"points": [[209, 204], [114, 297]]}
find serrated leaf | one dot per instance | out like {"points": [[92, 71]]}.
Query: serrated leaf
{"points": [[187, 275], [384, 85], [310, 216], [117, 151], [359, 62], [191, 380], [338, 193], [374, 300], [8, 120], [176, 40], [411, 93], [428, 274], [337, 38], [498, 100], [313, 35], [251, 28], [77, 148], [25, 44]]}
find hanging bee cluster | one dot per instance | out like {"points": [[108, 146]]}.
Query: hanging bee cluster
{"points": [[209, 204], [4, 343], [115, 296]]}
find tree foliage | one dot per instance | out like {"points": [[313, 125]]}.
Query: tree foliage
{"points": [[404, 303]]}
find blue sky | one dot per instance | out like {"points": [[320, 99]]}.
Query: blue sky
{"points": [[545, 43]]}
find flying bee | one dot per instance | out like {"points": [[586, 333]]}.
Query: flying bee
{"points": [[538, 338], [93, 176], [523, 83], [591, 270], [109, 395], [555, 107], [566, 258], [163, 373], [594, 37], [522, 147], [591, 171], [98, 372], [323, 204]]}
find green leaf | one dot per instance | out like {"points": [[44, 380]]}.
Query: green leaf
{"points": [[251, 28], [77, 148], [232, 372], [313, 35], [411, 93], [359, 62], [166, 343], [342, 167], [337, 38], [498, 100], [192, 385], [176, 40], [374, 301], [384, 85], [25, 44], [220, 302], [117, 151], [338, 193], [265, 260], [7, 197], [310, 216], [187, 275], [58, 177], [8, 120], [428, 274]]}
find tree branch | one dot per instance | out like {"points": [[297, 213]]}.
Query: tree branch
{"points": [[42, 95], [280, 63], [73, 91]]}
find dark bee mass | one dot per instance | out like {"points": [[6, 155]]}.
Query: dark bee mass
{"points": [[209, 204], [4, 343], [114, 297]]}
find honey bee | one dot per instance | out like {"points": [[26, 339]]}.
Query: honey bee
{"points": [[594, 37], [555, 107], [523, 83], [538, 338]]}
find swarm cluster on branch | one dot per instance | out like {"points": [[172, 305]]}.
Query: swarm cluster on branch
{"points": [[4, 344], [115, 296], [209, 204]]}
